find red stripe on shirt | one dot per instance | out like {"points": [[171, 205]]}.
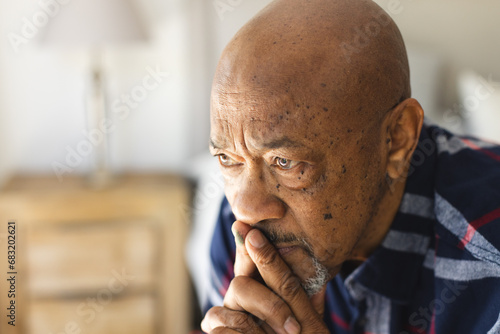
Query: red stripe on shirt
{"points": [[433, 322], [342, 323], [339, 321], [414, 329], [473, 226], [485, 151], [226, 279]]}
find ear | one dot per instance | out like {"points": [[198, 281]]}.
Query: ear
{"points": [[405, 123]]}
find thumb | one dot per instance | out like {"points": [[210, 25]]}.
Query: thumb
{"points": [[243, 264], [318, 301]]}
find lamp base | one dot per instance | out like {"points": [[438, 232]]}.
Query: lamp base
{"points": [[100, 179]]}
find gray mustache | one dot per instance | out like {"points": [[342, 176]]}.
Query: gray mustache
{"points": [[277, 237]]}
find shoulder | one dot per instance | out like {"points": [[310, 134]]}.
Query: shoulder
{"points": [[466, 256], [467, 193]]}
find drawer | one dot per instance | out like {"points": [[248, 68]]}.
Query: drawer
{"points": [[124, 315], [68, 258]]}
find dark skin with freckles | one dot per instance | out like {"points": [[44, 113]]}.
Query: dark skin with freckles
{"points": [[314, 146]]}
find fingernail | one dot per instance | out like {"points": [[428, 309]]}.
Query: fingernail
{"points": [[237, 236], [256, 239], [291, 326]]}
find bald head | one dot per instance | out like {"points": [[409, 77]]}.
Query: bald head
{"points": [[347, 56], [312, 122]]}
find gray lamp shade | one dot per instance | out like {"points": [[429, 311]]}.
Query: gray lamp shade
{"points": [[94, 23]]}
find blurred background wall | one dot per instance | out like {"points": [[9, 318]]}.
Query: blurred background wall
{"points": [[42, 88], [43, 92]]}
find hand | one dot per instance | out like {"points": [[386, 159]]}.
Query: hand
{"points": [[265, 296]]}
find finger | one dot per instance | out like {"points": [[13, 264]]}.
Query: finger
{"points": [[318, 301], [279, 277], [267, 329], [270, 308], [224, 317], [243, 264], [224, 330]]}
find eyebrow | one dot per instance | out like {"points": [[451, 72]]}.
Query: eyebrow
{"points": [[283, 142], [213, 144]]}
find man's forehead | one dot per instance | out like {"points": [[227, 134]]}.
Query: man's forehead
{"points": [[271, 118], [277, 141], [259, 109], [250, 96], [260, 134]]}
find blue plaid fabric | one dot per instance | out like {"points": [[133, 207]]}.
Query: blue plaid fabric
{"points": [[438, 268]]}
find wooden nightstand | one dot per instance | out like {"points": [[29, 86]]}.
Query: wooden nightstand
{"points": [[97, 261]]}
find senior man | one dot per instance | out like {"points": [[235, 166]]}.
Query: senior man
{"points": [[349, 214]]}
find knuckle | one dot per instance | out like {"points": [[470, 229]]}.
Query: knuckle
{"points": [[267, 257], [212, 312], [215, 313], [243, 321], [223, 320], [238, 283], [290, 284], [278, 309]]}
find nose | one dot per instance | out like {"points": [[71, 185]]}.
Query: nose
{"points": [[253, 201]]}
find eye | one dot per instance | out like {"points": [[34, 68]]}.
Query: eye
{"points": [[284, 163], [226, 160]]}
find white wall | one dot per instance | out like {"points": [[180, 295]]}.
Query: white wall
{"points": [[43, 91], [464, 33]]}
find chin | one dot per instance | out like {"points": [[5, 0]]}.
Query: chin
{"points": [[312, 274], [315, 283]]}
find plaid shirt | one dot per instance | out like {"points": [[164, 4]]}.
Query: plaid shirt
{"points": [[438, 268]]}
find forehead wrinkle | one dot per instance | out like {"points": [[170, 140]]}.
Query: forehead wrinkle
{"points": [[282, 142], [252, 101], [253, 140], [220, 140], [228, 94], [231, 138]]}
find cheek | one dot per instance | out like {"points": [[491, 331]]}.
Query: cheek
{"points": [[334, 214], [318, 218]]}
